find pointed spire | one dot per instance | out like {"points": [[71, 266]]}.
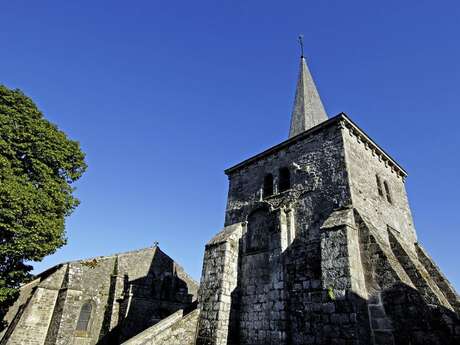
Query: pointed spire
{"points": [[308, 109]]}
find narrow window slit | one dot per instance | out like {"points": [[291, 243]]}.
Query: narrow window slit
{"points": [[387, 191], [379, 185]]}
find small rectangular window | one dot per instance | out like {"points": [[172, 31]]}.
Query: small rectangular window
{"points": [[268, 185], [284, 182]]}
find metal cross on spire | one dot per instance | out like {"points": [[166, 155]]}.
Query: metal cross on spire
{"points": [[300, 39]]}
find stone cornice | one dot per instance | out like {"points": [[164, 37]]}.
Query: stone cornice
{"points": [[345, 123], [371, 144]]}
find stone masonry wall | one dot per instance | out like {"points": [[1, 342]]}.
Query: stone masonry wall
{"points": [[157, 287], [128, 293], [363, 165], [318, 181], [218, 282], [38, 313], [260, 299], [174, 330], [436, 274], [323, 285], [341, 310], [88, 281], [64, 315], [341, 266], [405, 304], [280, 286], [16, 311]]}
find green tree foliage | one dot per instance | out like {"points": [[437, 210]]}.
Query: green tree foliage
{"points": [[38, 164]]}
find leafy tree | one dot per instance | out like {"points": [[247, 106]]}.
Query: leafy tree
{"points": [[38, 164]]}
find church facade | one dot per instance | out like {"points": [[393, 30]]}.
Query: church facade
{"points": [[103, 300], [318, 247]]}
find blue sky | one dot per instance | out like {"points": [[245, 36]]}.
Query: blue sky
{"points": [[163, 96]]}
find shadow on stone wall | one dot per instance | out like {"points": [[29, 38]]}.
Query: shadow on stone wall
{"points": [[144, 301], [416, 322], [285, 303]]}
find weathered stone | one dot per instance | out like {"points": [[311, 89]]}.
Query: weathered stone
{"points": [[318, 248], [339, 242], [127, 293]]}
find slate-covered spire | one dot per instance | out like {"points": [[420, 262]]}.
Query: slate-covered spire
{"points": [[308, 109]]}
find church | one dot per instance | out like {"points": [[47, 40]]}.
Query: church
{"points": [[318, 248]]}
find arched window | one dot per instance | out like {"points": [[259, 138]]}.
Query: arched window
{"points": [[84, 318], [379, 185], [268, 185], [387, 191], [284, 182]]}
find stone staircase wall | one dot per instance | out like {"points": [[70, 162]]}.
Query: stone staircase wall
{"points": [[176, 329], [438, 277]]}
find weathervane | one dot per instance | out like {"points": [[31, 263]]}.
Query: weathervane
{"points": [[300, 39]]}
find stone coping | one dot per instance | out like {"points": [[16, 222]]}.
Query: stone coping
{"points": [[155, 329]]}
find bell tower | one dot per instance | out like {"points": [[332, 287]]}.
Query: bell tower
{"points": [[319, 245]]}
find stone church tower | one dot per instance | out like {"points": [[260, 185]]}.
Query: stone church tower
{"points": [[319, 246]]}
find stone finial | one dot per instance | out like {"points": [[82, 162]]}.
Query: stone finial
{"points": [[308, 109]]}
